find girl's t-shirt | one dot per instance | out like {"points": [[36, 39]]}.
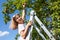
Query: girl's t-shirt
{"points": [[20, 28]]}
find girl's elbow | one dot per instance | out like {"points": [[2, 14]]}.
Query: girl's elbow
{"points": [[23, 36]]}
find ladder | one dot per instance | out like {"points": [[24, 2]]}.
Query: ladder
{"points": [[33, 13]]}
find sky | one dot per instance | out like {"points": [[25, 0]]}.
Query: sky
{"points": [[5, 32]]}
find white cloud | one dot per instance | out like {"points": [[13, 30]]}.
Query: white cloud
{"points": [[3, 33]]}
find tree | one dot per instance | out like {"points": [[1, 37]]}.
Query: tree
{"points": [[48, 12]]}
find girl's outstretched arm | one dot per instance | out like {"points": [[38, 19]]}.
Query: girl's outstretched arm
{"points": [[23, 12]]}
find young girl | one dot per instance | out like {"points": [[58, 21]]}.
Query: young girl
{"points": [[18, 22]]}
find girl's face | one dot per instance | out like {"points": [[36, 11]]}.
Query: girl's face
{"points": [[18, 19]]}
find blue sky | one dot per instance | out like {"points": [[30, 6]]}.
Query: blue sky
{"points": [[5, 32]]}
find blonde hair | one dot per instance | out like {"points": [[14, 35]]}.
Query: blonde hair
{"points": [[14, 24]]}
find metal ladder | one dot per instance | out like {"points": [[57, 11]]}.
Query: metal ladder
{"points": [[33, 13]]}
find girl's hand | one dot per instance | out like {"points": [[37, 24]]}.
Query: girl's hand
{"points": [[24, 5], [29, 23]]}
